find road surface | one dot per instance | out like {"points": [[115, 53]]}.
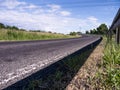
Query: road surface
{"points": [[20, 59]]}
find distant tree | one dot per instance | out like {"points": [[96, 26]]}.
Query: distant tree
{"points": [[15, 28], [49, 32], [12, 27], [22, 29], [8, 27], [78, 33], [73, 33], [87, 32], [91, 31], [102, 29], [2, 25]]}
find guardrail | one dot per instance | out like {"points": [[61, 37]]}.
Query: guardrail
{"points": [[115, 27]]}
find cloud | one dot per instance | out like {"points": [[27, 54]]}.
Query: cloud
{"points": [[11, 4], [92, 18], [65, 13], [54, 7], [51, 18], [31, 6]]}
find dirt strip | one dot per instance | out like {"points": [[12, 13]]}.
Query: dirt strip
{"points": [[82, 79]]}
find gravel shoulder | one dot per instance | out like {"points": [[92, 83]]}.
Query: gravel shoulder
{"points": [[81, 81]]}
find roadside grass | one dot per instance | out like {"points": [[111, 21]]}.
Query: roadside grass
{"points": [[63, 75], [108, 76], [6, 34]]}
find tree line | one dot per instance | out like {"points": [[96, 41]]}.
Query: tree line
{"points": [[2, 26], [101, 30]]}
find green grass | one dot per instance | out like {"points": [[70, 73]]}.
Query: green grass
{"points": [[6, 34], [108, 76], [111, 63]]}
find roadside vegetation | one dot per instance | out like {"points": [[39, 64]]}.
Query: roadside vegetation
{"points": [[14, 33], [108, 75]]}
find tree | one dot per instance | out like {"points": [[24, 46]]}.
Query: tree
{"points": [[78, 33], [15, 28], [91, 31], [73, 33], [12, 27], [102, 29], [87, 32], [8, 27], [2, 25]]}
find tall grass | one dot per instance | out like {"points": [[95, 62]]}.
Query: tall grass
{"points": [[111, 62], [6, 34], [108, 76]]}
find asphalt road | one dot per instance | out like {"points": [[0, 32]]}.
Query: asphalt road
{"points": [[20, 59]]}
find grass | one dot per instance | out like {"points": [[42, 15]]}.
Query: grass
{"points": [[111, 62], [6, 34], [108, 76]]}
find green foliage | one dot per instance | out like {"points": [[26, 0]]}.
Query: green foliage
{"points": [[7, 34], [14, 33], [87, 32], [102, 29], [113, 78], [112, 54], [111, 62], [2, 25], [108, 77], [73, 33]]}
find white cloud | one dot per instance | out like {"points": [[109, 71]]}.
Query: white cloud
{"points": [[11, 4], [92, 22], [54, 7], [55, 20], [65, 13], [92, 18], [31, 6]]}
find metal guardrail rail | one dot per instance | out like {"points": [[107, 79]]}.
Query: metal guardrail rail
{"points": [[116, 21], [116, 27]]}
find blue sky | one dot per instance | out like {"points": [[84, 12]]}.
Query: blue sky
{"points": [[62, 16]]}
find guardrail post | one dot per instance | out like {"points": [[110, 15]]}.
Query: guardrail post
{"points": [[118, 35]]}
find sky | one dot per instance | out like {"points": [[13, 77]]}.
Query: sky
{"points": [[61, 16]]}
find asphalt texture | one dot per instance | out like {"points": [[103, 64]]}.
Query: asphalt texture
{"points": [[22, 58]]}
